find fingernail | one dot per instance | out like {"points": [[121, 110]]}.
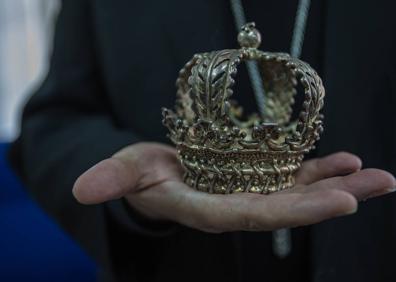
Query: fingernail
{"points": [[392, 190], [381, 192], [352, 211]]}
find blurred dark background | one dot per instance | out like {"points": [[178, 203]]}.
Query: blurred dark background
{"points": [[32, 246]]}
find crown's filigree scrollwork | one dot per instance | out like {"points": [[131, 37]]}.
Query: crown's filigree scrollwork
{"points": [[222, 154]]}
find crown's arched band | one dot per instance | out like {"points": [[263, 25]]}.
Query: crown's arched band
{"points": [[220, 155]]}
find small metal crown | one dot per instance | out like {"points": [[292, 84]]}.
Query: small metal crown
{"points": [[220, 152]]}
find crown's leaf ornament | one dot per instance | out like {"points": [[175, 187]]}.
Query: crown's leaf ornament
{"points": [[220, 152]]}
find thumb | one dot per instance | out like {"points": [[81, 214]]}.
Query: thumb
{"points": [[108, 180]]}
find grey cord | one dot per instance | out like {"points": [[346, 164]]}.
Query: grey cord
{"points": [[281, 238], [238, 13], [257, 85], [252, 66], [299, 28]]}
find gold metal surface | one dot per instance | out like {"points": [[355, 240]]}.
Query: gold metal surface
{"points": [[221, 153]]}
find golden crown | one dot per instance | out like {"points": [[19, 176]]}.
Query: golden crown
{"points": [[220, 152]]}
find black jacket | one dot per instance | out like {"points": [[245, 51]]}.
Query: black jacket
{"points": [[113, 68]]}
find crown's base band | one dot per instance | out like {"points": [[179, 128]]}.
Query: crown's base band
{"points": [[220, 180], [269, 184]]}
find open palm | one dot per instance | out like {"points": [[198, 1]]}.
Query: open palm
{"points": [[149, 176]]}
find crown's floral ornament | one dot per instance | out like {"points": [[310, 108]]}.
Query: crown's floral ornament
{"points": [[221, 153]]}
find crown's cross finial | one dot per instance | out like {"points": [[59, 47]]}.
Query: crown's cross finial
{"points": [[249, 36]]}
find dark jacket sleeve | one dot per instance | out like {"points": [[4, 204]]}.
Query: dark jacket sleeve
{"points": [[67, 127]]}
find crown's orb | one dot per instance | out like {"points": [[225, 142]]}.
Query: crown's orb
{"points": [[249, 36]]}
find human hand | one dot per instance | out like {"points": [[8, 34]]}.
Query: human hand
{"points": [[149, 176]]}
